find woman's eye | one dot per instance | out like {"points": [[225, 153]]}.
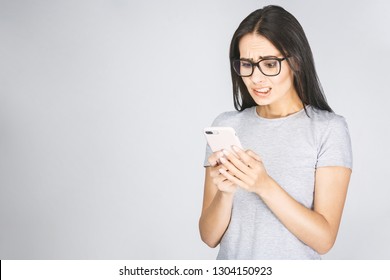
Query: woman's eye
{"points": [[245, 64], [270, 63]]}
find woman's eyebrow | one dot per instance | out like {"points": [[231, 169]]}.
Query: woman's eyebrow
{"points": [[261, 57]]}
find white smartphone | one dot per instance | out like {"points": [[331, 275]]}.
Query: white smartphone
{"points": [[220, 138]]}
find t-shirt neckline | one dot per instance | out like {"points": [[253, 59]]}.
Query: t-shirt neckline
{"points": [[293, 115]]}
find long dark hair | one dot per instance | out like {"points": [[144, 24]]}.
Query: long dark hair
{"points": [[284, 31]]}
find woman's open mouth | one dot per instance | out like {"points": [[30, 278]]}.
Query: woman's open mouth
{"points": [[262, 92]]}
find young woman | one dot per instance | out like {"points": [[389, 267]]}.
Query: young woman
{"points": [[283, 197]]}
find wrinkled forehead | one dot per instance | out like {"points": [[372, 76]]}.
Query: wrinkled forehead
{"points": [[254, 47]]}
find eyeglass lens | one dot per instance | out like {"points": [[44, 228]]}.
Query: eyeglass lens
{"points": [[269, 67]]}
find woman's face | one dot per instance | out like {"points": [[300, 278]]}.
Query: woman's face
{"points": [[275, 90]]}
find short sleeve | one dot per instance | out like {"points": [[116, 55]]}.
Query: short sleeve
{"points": [[335, 147]]}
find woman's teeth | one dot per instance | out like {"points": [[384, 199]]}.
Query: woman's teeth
{"points": [[263, 90]]}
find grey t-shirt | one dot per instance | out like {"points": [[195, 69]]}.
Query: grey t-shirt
{"points": [[291, 148]]}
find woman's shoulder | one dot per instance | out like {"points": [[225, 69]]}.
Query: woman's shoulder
{"points": [[333, 139], [324, 117], [328, 123]]}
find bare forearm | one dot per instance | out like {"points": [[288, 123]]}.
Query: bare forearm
{"points": [[215, 219], [318, 227], [307, 225]]}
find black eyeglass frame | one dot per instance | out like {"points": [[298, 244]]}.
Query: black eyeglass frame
{"points": [[258, 65]]}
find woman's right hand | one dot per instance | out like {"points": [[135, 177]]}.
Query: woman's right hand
{"points": [[218, 179], [217, 202]]}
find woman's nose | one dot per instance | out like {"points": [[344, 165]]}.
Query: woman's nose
{"points": [[257, 77]]}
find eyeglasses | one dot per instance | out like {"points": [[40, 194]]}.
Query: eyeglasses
{"points": [[268, 66]]}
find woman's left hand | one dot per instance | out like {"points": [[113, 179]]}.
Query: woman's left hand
{"points": [[245, 169]]}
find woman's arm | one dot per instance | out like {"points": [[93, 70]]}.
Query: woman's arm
{"points": [[217, 203], [316, 227]]}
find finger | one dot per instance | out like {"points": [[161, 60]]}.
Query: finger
{"points": [[233, 170], [214, 158], [245, 158], [227, 186], [229, 166], [233, 179], [225, 182], [213, 161], [237, 162], [222, 182], [214, 171]]}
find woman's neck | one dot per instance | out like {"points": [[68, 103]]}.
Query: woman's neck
{"points": [[274, 111]]}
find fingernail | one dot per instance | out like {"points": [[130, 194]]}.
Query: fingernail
{"points": [[221, 170], [226, 152], [223, 160], [235, 148]]}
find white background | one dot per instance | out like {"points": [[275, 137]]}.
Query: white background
{"points": [[102, 107]]}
